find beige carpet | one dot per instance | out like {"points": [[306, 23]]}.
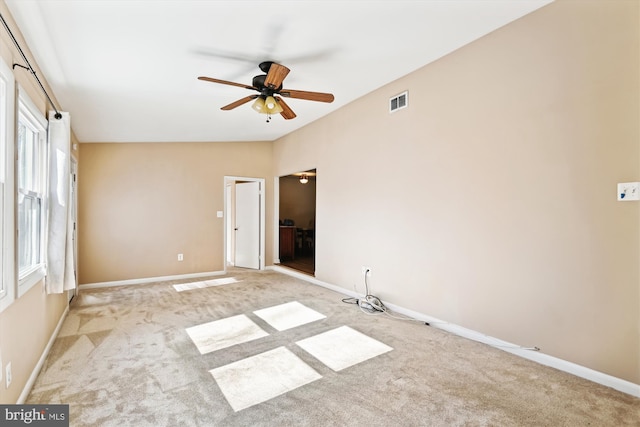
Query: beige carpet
{"points": [[125, 357]]}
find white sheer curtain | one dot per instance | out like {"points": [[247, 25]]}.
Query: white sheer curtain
{"points": [[60, 257]]}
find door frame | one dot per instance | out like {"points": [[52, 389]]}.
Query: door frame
{"points": [[276, 220], [229, 180], [73, 175], [276, 211]]}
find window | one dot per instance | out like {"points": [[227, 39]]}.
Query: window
{"points": [[31, 175], [7, 268]]}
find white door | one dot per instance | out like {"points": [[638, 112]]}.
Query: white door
{"points": [[248, 225]]}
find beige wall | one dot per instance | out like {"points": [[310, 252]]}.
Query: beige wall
{"points": [[142, 204], [26, 325], [491, 201]]}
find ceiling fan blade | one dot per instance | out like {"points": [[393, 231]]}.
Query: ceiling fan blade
{"points": [[311, 96], [276, 76], [225, 82], [239, 102], [287, 112]]}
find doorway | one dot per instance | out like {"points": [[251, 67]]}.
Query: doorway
{"points": [[297, 221], [244, 222]]}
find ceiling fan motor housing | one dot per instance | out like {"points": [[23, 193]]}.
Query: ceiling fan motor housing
{"points": [[258, 82], [265, 66]]}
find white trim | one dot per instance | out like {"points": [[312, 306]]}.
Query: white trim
{"points": [[535, 356], [263, 195], [30, 277], [228, 225], [35, 120], [73, 175], [276, 209], [8, 289], [36, 370], [276, 220], [311, 279], [30, 109], [149, 280]]}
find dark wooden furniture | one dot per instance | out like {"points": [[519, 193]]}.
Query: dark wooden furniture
{"points": [[287, 243]]}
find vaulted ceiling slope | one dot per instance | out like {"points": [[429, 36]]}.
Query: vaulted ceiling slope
{"points": [[127, 70]]}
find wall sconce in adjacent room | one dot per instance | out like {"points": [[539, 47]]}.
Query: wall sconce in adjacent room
{"points": [[304, 179]]}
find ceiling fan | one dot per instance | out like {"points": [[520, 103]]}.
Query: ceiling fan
{"points": [[269, 85]]}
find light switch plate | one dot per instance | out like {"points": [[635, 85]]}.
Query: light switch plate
{"points": [[628, 191], [219, 214]]}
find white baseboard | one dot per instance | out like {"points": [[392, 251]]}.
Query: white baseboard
{"points": [[36, 370], [530, 354], [311, 279], [149, 280]]}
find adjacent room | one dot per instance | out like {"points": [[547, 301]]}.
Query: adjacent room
{"points": [[297, 221], [321, 213]]}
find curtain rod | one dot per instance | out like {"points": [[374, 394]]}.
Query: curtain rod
{"points": [[28, 67]]}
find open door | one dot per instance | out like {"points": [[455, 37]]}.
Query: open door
{"points": [[247, 225]]}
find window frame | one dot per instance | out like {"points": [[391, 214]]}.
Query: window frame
{"points": [[7, 179], [36, 121]]}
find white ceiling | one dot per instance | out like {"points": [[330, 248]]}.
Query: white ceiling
{"points": [[127, 70]]}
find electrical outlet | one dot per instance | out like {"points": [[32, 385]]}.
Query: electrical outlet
{"points": [[180, 257], [366, 271], [8, 374]]}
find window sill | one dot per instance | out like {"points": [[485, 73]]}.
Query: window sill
{"points": [[30, 278]]}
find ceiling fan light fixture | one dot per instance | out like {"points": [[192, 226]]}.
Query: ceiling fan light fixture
{"points": [[272, 106], [259, 105], [304, 179]]}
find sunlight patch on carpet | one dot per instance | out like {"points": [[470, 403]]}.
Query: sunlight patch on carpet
{"points": [[262, 377], [343, 347], [224, 333], [70, 325], [96, 323], [204, 284], [70, 362], [289, 315]]}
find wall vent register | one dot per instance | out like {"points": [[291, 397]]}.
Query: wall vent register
{"points": [[399, 102]]}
